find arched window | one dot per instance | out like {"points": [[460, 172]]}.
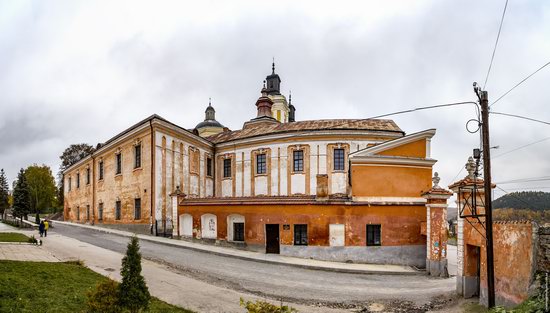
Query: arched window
{"points": [[186, 225], [235, 227], [209, 226]]}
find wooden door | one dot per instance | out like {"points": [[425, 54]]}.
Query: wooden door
{"points": [[272, 238]]}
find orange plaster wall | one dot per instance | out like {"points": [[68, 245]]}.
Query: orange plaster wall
{"points": [[513, 254], [385, 181], [415, 149], [400, 224]]}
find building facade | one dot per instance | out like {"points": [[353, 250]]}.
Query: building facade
{"points": [[340, 189]]}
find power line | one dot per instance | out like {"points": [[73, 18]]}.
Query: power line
{"points": [[516, 197], [496, 43], [522, 117], [518, 148], [521, 82], [525, 180], [422, 108]]}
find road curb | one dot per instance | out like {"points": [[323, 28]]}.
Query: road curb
{"points": [[236, 256]]}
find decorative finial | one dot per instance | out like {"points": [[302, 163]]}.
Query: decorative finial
{"points": [[471, 168], [273, 66], [436, 180], [209, 102], [289, 97], [264, 85]]}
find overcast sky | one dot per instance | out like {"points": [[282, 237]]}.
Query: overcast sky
{"points": [[82, 71]]}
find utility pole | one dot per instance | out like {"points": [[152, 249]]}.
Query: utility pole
{"points": [[484, 102]]}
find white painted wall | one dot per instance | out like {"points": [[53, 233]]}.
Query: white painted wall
{"points": [[260, 185], [337, 235], [227, 188], [209, 226], [186, 225]]}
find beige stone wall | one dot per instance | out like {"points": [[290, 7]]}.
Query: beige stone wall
{"points": [[78, 198]]}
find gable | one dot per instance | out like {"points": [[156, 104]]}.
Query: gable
{"points": [[415, 145]]}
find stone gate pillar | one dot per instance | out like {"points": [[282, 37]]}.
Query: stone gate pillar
{"points": [[436, 229]]}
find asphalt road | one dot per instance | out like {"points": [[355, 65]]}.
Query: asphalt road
{"points": [[287, 283]]}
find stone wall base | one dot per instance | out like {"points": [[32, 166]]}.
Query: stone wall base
{"points": [[437, 268]]}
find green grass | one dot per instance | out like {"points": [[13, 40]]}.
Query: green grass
{"points": [[13, 237], [53, 287]]}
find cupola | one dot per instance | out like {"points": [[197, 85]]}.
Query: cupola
{"points": [[209, 126]]}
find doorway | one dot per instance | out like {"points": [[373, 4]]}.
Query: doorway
{"points": [[272, 238]]}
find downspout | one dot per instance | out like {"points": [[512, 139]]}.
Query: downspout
{"points": [[93, 189], [152, 176]]}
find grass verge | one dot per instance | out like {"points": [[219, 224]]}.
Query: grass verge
{"points": [[13, 237], [53, 287]]}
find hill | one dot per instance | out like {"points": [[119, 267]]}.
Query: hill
{"points": [[531, 200]]}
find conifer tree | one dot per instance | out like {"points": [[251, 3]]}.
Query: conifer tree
{"points": [[133, 292], [21, 196], [4, 192]]}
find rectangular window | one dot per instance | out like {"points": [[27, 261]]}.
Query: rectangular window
{"points": [[226, 168], [137, 156], [100, 170], [298, 157], [118, 163], [87, 176], [300, 235], [209, 167], [137, 209], [117, 210], [373, 235], [70, 183], [238, 231], [78, 213], [339, 162], [100, 212], [261, 166], [88, 212], [77, 180]]}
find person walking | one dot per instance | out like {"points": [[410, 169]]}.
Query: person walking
{"points": [[46, 226], [41, 228]]}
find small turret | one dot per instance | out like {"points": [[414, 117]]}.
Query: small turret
{"points": [[209, 126]]}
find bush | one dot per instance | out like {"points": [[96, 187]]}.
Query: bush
{"points": [[133, 292], [104, 299], [33, 240], [265, 307]]}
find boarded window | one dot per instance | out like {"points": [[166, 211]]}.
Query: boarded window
{"points": [[78, 213], [100, 170], [118, 161], [70, 184], [261, 166], [137, 156], [238, 231], [137, 208], [339, 160], [194, 161], [209, 167], [226, 168], [373, 235], [77, 180], [87, 176], [118, 210], [298, 157], [300, 234], [100, 212]]}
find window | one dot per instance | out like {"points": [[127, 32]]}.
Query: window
{"points": [[298, 160], [100, 170], [70, 184], [373, 235], [209, 167], [118, 163], [87, 176], [78, 213], [100, 212], [137, 156], [300, 235], [137, 209], [238, 231], [77, 180], [226, 168], [261, 167], [339, 164], [88, 212], [117, 210]]}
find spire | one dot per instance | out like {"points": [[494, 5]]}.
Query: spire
{"points": [[273, 81], [273, 67], [210, 113], [291, 109]]}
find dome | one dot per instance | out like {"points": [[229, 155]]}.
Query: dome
{"points": [[208, 123]]}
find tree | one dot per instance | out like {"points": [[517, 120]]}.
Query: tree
{"points": [[4, 192], [41, 187], [21, 196], [133, 292]]}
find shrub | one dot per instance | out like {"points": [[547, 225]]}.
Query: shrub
{"points": [[104, 299], [133, 292], [265, 307], [33, 240]]}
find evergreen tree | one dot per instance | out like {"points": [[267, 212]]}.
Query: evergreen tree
{"points": [[21, 196], [4, 192], [133, 292]]}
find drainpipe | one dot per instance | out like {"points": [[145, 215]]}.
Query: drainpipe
{"points": [[151, 192], [93, 189]]}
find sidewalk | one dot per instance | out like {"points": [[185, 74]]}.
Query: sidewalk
{"points": [[265, 258]]}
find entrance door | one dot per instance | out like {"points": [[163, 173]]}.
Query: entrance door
{"points": [[272, 238]]}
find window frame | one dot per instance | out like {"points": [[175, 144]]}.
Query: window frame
{"points": [[209, 166], [137, 209], [298, 163], [261, 164], [70, 183], [101, 168], [339, 160], [227, 170], [137, 156], [88, 176], [372, 241], [118, 210], [78, 180], [299, 238], [100, 212], [118, 163]]}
